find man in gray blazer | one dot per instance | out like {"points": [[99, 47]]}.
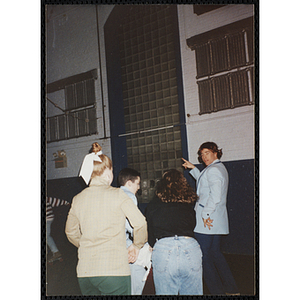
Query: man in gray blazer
{"points": [[212, 218]]}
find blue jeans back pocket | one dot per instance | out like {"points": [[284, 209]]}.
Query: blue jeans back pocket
{"points": [[194, 258], [160, 259]]}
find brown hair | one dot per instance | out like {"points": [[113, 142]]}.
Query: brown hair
{"points": [[173, 187], [127, 174], [211, 146], [95, 147]]}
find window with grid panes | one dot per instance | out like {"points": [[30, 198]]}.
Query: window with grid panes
{"points": [[79, 117], [150, 95], [225, 66]]}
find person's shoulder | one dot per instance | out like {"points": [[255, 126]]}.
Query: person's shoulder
{"points": [[115, 195], [109, 189], [80, 197], [121, 194], [220, 166], [215, 168], [116, 190], [81, 193], [154, 203], [126, 190]]}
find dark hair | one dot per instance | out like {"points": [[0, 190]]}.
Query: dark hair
{"points": [[173, 187], [211, 146], [127, 174]]}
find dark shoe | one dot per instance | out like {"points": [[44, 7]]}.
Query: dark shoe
{"points": [[236, 294]]}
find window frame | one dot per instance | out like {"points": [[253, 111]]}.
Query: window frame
{"points": [[235, 73], [73, 122]]}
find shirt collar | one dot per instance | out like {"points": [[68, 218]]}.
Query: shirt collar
{"points": [[126, 189], [215, 161]]}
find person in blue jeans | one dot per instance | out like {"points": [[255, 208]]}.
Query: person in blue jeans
{"points": [[176, 255], [212, 218]]}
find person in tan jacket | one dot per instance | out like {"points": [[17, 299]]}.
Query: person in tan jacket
{"points": [[96, 225]]}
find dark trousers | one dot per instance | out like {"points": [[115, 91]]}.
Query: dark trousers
{"points": [[216, 272], [105, 285]]}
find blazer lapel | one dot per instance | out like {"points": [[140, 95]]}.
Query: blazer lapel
{"points": [[203, 171]]}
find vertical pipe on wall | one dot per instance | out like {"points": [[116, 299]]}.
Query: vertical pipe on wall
{"points": [[100, 70]]}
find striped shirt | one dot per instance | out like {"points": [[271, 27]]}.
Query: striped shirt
{"points": [[53, 202]]}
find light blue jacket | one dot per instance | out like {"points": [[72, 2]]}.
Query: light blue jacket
{"points": [[212, 186], [128, 228]]}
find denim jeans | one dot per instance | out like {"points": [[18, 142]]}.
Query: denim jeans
{"points": [[177, 266], [50, 240], [216, 272]]}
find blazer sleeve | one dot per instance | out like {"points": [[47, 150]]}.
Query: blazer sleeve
{"points": [[215, 181], [72, 226], [136, 219], [195, 173]]}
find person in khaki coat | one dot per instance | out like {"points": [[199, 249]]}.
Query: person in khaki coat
{"points": [[96, 225]]}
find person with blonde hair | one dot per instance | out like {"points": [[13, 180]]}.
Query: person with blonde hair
{"points": [[96, 225]]}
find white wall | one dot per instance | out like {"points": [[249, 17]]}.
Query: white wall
{"points": [[75, 150], [232, 130], [72, 48]]}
